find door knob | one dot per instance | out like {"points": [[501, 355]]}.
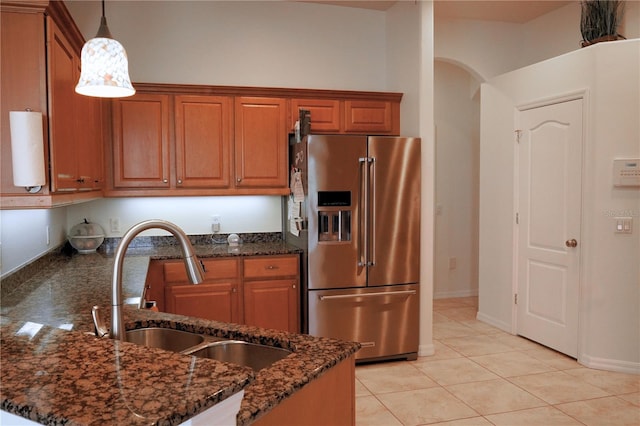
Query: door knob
{"points": [[571, 243]]}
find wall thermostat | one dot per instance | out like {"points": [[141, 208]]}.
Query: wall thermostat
{"points": [[626, 172]]}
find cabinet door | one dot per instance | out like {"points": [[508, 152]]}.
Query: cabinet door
{"points": [[23, 83], [272, 304], [141, 142], [260, 142], [325, 114], [370, 117], [203, 141], [62, 111], [89, 143], [215, 301]]}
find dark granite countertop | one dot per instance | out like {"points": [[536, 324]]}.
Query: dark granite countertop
{"points": [[55, 371]]}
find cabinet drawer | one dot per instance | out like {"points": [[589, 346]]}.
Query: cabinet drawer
{"points": [[213, 269], [271, 266]]}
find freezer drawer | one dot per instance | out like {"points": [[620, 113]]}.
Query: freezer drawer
{"points": [[383, 319]]}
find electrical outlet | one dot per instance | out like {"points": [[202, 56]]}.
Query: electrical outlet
{"points": [[215, 223], [453, 263], [114, 225]]}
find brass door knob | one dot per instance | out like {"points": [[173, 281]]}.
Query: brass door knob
{"points": [[571, 243]]}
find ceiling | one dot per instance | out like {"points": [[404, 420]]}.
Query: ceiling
{"points": [[517, 11]]}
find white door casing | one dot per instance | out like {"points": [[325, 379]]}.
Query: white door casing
{"points": [[549, 218]]}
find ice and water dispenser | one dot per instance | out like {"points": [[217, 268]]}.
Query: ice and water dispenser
{"points": [[334, 216]]}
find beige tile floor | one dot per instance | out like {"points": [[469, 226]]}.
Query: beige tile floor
{"points": [[480, 375]]}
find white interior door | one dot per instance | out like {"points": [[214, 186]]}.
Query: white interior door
{"points": [[549, 210]]}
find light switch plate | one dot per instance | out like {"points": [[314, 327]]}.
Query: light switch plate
{"points": [[624, 225]]}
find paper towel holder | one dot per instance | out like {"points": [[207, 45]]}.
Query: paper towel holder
{"points": [[27, 149]]}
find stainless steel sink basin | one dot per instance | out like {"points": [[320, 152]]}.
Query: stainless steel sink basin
{"points": [[164, 338], [243, 353], [239, 352]]}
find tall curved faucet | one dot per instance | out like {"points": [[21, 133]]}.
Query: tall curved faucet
{"points": [[193, 266]]}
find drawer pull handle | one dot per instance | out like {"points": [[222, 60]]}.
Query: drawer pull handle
{"points": [[272, 267]]}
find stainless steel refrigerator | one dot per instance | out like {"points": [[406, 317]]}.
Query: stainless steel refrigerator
{"points": [[356, 214]]}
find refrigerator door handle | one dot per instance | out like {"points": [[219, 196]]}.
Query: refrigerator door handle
{"points": [[363, 238], [371, 261], [377, 294]]}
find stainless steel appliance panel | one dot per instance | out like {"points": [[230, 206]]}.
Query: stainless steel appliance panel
{"points": [[383, 319], [394, 209], [334, 173]]}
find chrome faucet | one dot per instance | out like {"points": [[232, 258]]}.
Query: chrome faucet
{"points": [[193, 266]]}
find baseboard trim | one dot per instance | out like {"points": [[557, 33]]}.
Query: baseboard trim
{"points": [[426, 350], [609, 364], [452, 294], [494, 322]]}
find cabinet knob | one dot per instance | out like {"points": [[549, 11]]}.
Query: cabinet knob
{"points": [[234, 290], [179, 181], [294, 286], [165, 180], [239, 180]]}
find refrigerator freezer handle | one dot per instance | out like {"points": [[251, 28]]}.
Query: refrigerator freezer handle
{"points": [[377, 294]]}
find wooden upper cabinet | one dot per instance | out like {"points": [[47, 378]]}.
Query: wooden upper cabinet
{"points": [[62, 111], [141, 157], [203, 135], [89, 142], [373, 117], [356, 116], [261, 142], [40, 69], [23, 85], [325, 114]]}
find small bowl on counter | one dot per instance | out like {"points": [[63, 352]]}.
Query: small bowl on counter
{"points": [[86, 237]]}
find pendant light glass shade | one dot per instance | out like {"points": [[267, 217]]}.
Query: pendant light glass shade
{"points": [[105, 67]]}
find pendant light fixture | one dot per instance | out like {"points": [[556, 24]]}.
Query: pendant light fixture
{"points": [[105, 68]]}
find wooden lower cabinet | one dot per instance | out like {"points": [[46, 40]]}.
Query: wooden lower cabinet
{"points": [[328, 400], [214, 301], [271, 293], [272, 304], [217, 298], [262, 291]]}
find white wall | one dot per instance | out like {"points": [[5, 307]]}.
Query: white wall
{"points": [[192, 214], [245, 43], [610, 73], [457, 118], [26, 234], [487, 49]]}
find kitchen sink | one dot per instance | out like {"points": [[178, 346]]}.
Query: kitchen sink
{"points": [[238, 352], [164, 338], [243, 353]]}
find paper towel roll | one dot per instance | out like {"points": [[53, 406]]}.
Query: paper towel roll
{"points": [[27, 148]]}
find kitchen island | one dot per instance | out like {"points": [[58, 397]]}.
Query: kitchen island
{"points": [[55, 371]]}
